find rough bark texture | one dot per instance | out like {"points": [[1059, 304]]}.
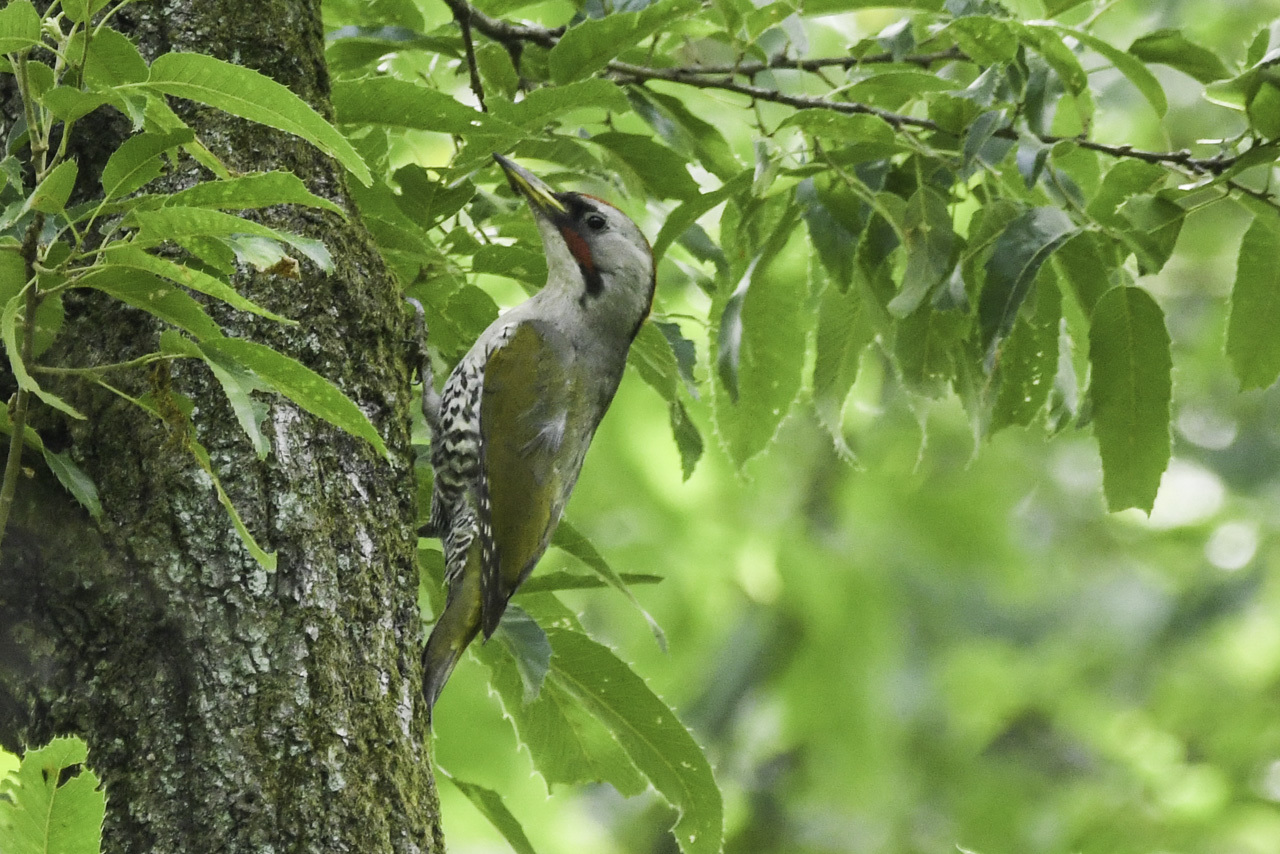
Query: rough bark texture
{"points": [[229, 709]]}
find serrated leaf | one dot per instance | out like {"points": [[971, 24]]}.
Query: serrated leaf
{"points": [[41, 814], [69, 104], [137, 161], [247, 192], [678, 222], [1252, 343], [1130, 390], [49, 316], [655, 740], [863, 129], [134, 258], [52, 193], [299, 383], [154, 296], [929, 242], [529, 648], [265, 559], [927, 345], [83, 10], [587, 47], [177, 223], [399, 103], [1028, 362], [686, 354], [1130, 66], [688, 439], [547, 582], [12, 346], [652, 357], [571, 540], [74, 480], [19, 26], [843, 333], [112, 61], [238, 384], [1170, 47], [699, 140], [760, 347], [245, 93], [489, 804], [1019, 251], [664, 173], [566, 743], [542, 106]]}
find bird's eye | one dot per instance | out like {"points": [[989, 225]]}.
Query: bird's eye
{"points": [[596, 222]]}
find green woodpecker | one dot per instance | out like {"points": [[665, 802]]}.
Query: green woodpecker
{"points": [[518, 412]]}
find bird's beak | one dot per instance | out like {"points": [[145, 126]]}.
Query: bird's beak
{"points": [[540, 195]]}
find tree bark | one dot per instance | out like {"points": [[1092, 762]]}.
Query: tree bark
{"points": [[228, 708]]}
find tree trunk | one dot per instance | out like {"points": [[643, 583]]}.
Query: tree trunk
{"points": [[228, 708]]}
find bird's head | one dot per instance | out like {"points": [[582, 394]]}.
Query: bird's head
{"points": [[596, 256]]}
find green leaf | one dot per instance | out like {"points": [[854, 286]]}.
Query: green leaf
{"points": [[1127, 178], [176, 223], [49, 316], [69, 104], [45, 808], [1019, 251], [137, 161], [1028, 361], [655, 740], [129, 256], [868, 130], [1252, 343], [571, 540], [699, 140], [252, 191], [52, 193], [297, 382], [929, 244], [687, 213], [399, 103], [565, 741], [154, 296], [83, 10], [588, 47], [1170, 47], [760, 345], [843, 333], [489, 804], [245, 93], [542, 106], [1130, 392], [265, 559], [987, 41], [663, 172], [529, 648], [547, 582], [12, 346], [237, 383], [688, 440], [112, 61], [652, 357], [927, 346], [19, 26], [74, 480], [1126, 64]]}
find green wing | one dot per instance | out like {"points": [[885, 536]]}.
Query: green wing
{"points": [[524, 413]]}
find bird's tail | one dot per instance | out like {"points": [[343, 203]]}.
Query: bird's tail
{"points": [[454, 630]]}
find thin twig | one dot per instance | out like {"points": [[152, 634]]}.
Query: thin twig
{"points": [[463, 12]]}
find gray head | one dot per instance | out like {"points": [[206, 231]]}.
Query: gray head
{"points": [[597, 258]]}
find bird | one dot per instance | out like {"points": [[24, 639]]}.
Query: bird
{"points": [[516, 415]]}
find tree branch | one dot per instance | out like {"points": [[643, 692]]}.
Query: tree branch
{"points": [[721, 77]]}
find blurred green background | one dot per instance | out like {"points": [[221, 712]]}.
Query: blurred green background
{"points": [[943, 644]]}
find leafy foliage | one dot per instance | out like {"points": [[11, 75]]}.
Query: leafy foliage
{"points": [[53, 802], [906, 228]]}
